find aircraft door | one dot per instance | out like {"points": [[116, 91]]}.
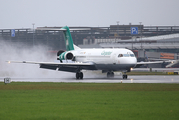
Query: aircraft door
{"points": [[114, 58]]}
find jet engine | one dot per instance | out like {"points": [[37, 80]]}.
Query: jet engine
{"points": [[62, 55], [59, 53], [69, 56]]}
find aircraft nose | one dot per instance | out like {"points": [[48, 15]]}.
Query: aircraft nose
{"points": [[134, 61]]}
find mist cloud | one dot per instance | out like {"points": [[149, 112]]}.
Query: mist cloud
{"points": [[39, 53], [21, 52]]}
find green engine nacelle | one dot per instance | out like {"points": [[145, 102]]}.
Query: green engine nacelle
{"points": [[64, 55]]}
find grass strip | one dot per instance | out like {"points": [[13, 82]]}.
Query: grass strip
{"points": [[79, 101]]}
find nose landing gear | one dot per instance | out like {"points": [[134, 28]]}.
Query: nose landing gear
{"points": [[124, 76]]}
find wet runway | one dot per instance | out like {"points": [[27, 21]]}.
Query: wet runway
{"points": [[116, 79]]}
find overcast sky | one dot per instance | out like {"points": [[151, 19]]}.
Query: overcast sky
{"points": [[102, 13]]}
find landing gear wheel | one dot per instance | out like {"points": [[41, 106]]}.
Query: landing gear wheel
{"points": [[110, 74], [79, 75], [124, 76]]}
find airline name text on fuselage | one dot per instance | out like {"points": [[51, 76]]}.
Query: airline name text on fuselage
{"points": [[106, 53]]}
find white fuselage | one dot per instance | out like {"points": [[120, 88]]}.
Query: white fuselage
{"points": [[107, 59]]}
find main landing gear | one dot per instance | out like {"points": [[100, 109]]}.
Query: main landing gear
{"points": [[110, 74], [79, 75]]}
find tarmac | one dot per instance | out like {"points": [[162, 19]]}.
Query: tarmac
{"points": [[102, 79]]}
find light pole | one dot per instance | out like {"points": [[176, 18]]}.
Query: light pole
{"points": [[140, 30], [117, 29], [140, 34], [33, 33]]}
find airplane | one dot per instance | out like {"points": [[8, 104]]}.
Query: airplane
{"points": [[107, 60]]}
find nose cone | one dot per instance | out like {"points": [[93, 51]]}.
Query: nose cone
{"points": [[133, 62]]}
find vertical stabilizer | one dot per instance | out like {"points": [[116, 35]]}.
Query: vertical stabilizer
{"points": [[68, 39], [76, 47]]}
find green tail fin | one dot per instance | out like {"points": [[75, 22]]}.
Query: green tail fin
{"points": [[68, 39]]}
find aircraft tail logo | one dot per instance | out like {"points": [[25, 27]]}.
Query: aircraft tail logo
{"points": [[68, 39]]}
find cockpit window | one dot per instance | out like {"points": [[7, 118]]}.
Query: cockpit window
{"points": [[132, 55], [120, 55], [126, 55]]}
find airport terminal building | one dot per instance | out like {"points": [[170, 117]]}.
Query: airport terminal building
{"points": [[156, 42]]}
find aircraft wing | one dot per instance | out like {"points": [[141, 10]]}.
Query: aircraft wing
{"points": [[153, 62], [69, 67], [143, 63]]}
